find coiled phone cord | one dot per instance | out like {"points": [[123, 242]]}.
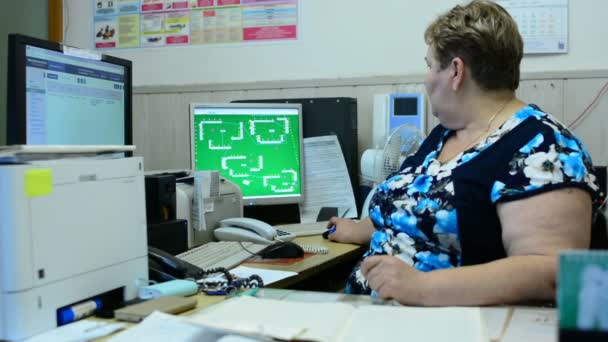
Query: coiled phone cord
{"points": [[230, 285]]}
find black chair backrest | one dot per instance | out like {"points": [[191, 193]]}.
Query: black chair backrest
{"points": [[599, 234]]}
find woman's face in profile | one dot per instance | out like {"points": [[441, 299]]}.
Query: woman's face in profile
{"points": [[439, 90], [433, 82]]}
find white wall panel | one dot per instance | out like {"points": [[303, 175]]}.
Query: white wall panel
{"points": [[594, 128], [547, 94]]}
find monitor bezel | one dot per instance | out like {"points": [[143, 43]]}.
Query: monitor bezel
{"points": [[257, 200], [16, 88]]}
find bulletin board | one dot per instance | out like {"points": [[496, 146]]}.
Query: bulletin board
{"points": [[120, 24]]}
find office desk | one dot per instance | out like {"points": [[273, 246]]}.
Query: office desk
{"points": [[512, 323]]}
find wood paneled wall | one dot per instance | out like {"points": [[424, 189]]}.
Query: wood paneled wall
{"points": [[161, 115]]}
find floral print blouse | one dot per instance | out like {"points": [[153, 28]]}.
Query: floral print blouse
{"points": [[435, 215]]}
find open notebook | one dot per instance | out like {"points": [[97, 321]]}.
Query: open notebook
{"points": [[339, 322]]}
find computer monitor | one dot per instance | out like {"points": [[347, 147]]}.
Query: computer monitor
{"points": [[256, 146], [59, 95], [330, 116]]}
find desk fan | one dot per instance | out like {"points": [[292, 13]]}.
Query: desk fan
{"points": [[377, 164]]}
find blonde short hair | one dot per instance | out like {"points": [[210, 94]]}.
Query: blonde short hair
{"points": [[485, 36]]}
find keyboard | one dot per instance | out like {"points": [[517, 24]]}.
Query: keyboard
{"points": [[283, 235], [304, 229], [227, 254]]}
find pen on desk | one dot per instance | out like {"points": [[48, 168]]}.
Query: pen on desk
{"points": [[331, 230], [345, 212]]}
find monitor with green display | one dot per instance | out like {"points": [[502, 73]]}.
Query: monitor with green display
{"points": [[256, 146]]}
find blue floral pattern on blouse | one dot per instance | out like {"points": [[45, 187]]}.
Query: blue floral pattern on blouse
{"points": [[413, 210]]}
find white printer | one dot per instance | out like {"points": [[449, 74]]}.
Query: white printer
{"points": [[70, 230]]}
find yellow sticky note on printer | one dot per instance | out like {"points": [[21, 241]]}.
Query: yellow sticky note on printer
{"points": [[38, 182]]}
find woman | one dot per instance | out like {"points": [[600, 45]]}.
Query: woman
{"points": [[478, 214]]}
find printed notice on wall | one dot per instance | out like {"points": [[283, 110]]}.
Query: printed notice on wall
{"points": [[163, 23], [117, 31], [543, 24]]}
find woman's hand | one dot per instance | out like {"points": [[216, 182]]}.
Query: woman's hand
{"points": [[392, 278], [349, 231]]}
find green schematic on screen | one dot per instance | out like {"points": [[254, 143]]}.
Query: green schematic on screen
{"points": [[260, 153]]}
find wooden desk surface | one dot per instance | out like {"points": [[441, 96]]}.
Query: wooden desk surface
{"points": [[338, 254]]}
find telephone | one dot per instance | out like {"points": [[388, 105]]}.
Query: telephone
{"points": [[164, 266], [250, 230]]}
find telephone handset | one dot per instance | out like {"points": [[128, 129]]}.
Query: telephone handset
{"points": [[250, 230], [165, 266]]}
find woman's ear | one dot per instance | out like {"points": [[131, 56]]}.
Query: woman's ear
{"points": [[457, 73]]}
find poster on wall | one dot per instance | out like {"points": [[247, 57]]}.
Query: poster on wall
{"points": [[112, 7], [201, 3], [152, 5], [543, 24], [177, 28], [267, 19], [116, 31], [153, 30], [104, 7], [164, 23], [128, 6], [221, 25], [105, 36]]}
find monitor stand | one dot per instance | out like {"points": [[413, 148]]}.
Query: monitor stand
{"points": [[274, 214]]}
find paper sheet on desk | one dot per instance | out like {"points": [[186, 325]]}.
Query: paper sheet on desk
{"points": [[532, 324], [80, 331], [341, 322], [268, 276], [326, 182], [278, 319], [495, 320], [163, 327]]}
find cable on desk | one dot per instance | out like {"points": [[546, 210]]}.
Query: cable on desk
{"points": [[203, 286], [252, 281], [230, 285], [245, 248]]}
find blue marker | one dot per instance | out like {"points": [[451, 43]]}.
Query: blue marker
{"points": [[331, 230]]}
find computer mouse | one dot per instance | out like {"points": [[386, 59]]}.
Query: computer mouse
{"points": [[282, 250]]}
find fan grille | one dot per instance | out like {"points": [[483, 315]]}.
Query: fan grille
{"points": [[403, 141]]}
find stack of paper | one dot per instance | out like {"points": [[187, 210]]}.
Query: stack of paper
{"points": [[326, 179], [164, 327], [343, 322]]}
